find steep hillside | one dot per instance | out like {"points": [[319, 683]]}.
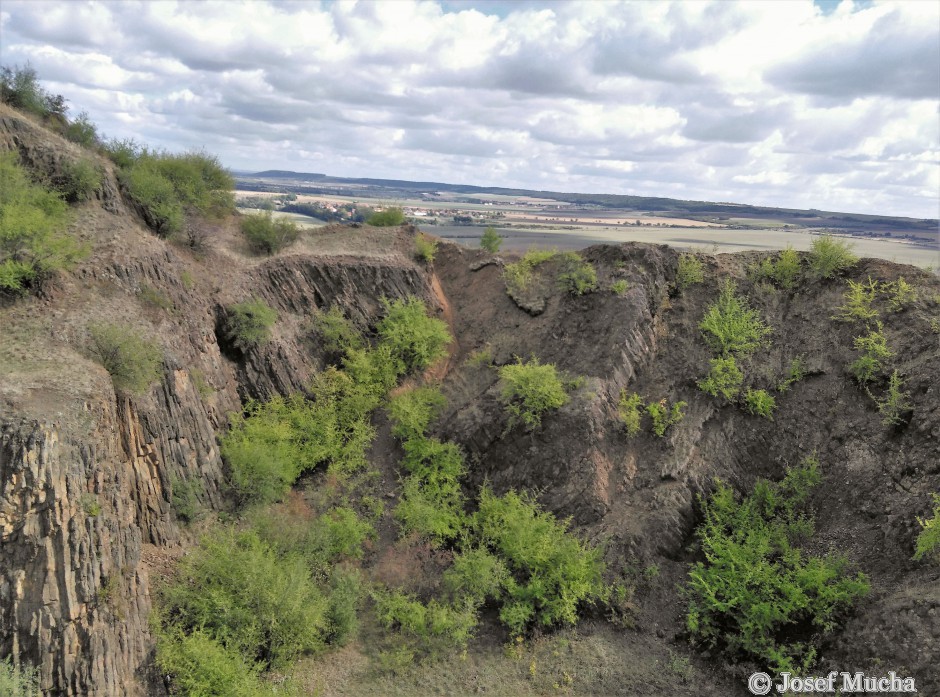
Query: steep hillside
{"points": [[89, 518]]}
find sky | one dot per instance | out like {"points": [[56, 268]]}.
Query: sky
{"points": [[828, 105]]}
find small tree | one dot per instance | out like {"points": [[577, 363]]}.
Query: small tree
{"points": [[267, 234], [491, 240]]}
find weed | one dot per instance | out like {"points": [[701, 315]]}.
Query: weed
{"points": [[133, 362], [896, 403], [724, 378], [928, 540], [829, 256], [629, 410], [248, 324], [186, 278], [760, 403], [619, 287], [90, 505], [858, 302], [480, 357], [732, 328], [491, 241], [663, 416], [689, 272], [795, 373], [531, 389], [756, 593]]}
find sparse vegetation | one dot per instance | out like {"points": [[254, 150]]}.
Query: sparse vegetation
{"points": [[731, 327], [858, 302], [154, 297], [629, 409], [81, 130], [619, 287], [81, 178], [531, 389], [664, 416], [491, 240], [928, 540], [760, 403], [757, 593], [390, 217], [133, 362], [829, 256], [33, 240], [248, 324], [900, 294], [689, 272], [519, 275], [425, 248], [795, 373], [896, 402], [724, 378], [875, 352], [784, 271], [267, 234]]}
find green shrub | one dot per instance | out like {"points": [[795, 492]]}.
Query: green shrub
{"points": [[900, 294], [629, 409], [342, 612], [858, 302], [576, 275], [199, 665], [81, 130], [267, 234], [896, 402], [760, 403], [519, 275], [619, 287], [425, 248], [154, 193], [476, 574], [337, 332], [689, 272], [432, 623], [241, 593], [184, 498], [724, 378], [415, 338], [829, 256], [33, 240], [411, 412], [133, 362], [20, 88], [758, 593], [155, 298], [390, 217], [731, 327], [875, 351], [432, 502], [663, 416], [19, 681], [551, 571], [531, 389], [786, 270], [80, 179], [123, 153], [928, 540], [491, 241], [795, 373], [248, 324]]}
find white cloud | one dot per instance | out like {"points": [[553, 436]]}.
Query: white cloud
{"points": [[772, 103]]}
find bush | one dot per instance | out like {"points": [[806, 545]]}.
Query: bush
{"points": [[415, 338], [786, 270], [629, 410], [244, 595], [18, 681], [154, 193], [184, 498], [248, 324], [20, 88], [491, 240], [896, 403], [531, 389], [731, 327], [664, 417], [268, 235], [476, 574], [858, 302], [80, 179], [81, 130], [124, 153], [795, 373], [133, 362], [519, 275], [689, 272], [619, 287], [390, 217], [577, 276], [724, 378], [337, 333], [33, 241], [425, 248], [757, 593], [928, 540], [875, 351], [829, 256], [199, 665], [431, 623], [760, 403], [551, 571], [413, 411]]}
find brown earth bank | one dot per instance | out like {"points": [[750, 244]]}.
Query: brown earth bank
{"points": [[86, 474]]}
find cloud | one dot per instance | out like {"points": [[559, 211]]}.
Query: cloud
{"points": [[772, 103]]}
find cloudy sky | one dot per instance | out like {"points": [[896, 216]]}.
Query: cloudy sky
{"points": [[826, 105]]}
